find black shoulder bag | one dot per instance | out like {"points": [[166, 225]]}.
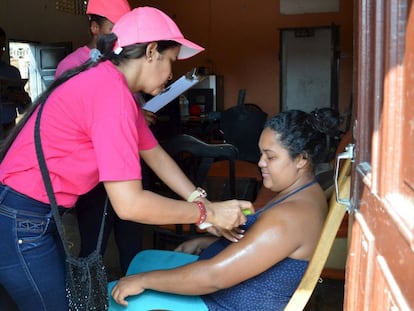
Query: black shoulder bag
{"points": [[86, 279]]}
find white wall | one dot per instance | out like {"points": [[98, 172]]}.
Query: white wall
{"points": [[38, 20]]}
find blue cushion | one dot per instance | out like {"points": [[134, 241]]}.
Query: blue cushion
{"points": [[148, 260]]}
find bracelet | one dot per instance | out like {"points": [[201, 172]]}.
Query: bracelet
{"points": [[198, 193], [203, 212]]}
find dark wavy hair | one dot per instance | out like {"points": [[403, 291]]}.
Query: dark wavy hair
{"points": [[304, 133], [100, 20], [105, 45]]}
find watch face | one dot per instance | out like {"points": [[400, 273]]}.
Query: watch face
{"points": [[198, 193], [202, 192]]}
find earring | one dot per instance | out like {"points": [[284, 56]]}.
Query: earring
{"points": [[150, 59]]}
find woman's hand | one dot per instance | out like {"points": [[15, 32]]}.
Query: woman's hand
{"points": [[195, 246], [127, 286], [227, 214], [233, 235]]}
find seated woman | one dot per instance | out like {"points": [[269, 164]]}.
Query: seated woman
{"points": [[263, 265]]}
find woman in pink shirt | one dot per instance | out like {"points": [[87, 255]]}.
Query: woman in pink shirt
{"points": [[102, 15], [92, 131]]}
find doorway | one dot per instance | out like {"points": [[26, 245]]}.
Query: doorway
{"points": [[309, 67], [37, 63]]}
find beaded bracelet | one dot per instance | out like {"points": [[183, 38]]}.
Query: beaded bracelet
{"points": [[203, 212]]}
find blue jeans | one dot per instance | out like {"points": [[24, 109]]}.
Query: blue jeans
{"points": [[31, 255]]}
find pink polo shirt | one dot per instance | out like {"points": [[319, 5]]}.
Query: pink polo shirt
{"points": [[91, 130], [72, 60]]}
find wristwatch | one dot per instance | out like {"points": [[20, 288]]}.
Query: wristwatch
{"points": [[198, 193]]}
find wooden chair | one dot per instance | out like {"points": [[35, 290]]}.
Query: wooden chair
{"points": [[333, 221]]}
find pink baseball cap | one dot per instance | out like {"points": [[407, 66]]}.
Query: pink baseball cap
{"points": [[147, 24], [111, 9]]}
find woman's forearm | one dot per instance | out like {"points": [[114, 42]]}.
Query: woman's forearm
{"points": [[197, 279], [131, 202], [183, 280]]}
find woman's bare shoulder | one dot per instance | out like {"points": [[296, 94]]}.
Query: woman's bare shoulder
{"points": [[299, 219]]}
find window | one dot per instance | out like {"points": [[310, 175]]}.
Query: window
{"points": [[76, 7]]}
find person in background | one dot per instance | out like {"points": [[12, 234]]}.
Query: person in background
{"points": [[92, 131], [12, 98], [102, 16], [262, 270]]}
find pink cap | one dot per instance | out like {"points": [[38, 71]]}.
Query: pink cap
{"points": [[147, 24], [111, 9]]}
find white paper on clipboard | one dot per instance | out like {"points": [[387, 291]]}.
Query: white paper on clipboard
{"points": [[173, 91]]}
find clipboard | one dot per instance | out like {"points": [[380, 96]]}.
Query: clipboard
{"points": [[174, 90]]}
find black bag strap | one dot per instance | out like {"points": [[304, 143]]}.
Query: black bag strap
{"points": [[49, 187]]}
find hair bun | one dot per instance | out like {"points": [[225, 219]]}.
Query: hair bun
{"points": [[325, 120]]}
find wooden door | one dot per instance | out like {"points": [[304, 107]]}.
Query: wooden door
{"points": [[380, 265]]}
